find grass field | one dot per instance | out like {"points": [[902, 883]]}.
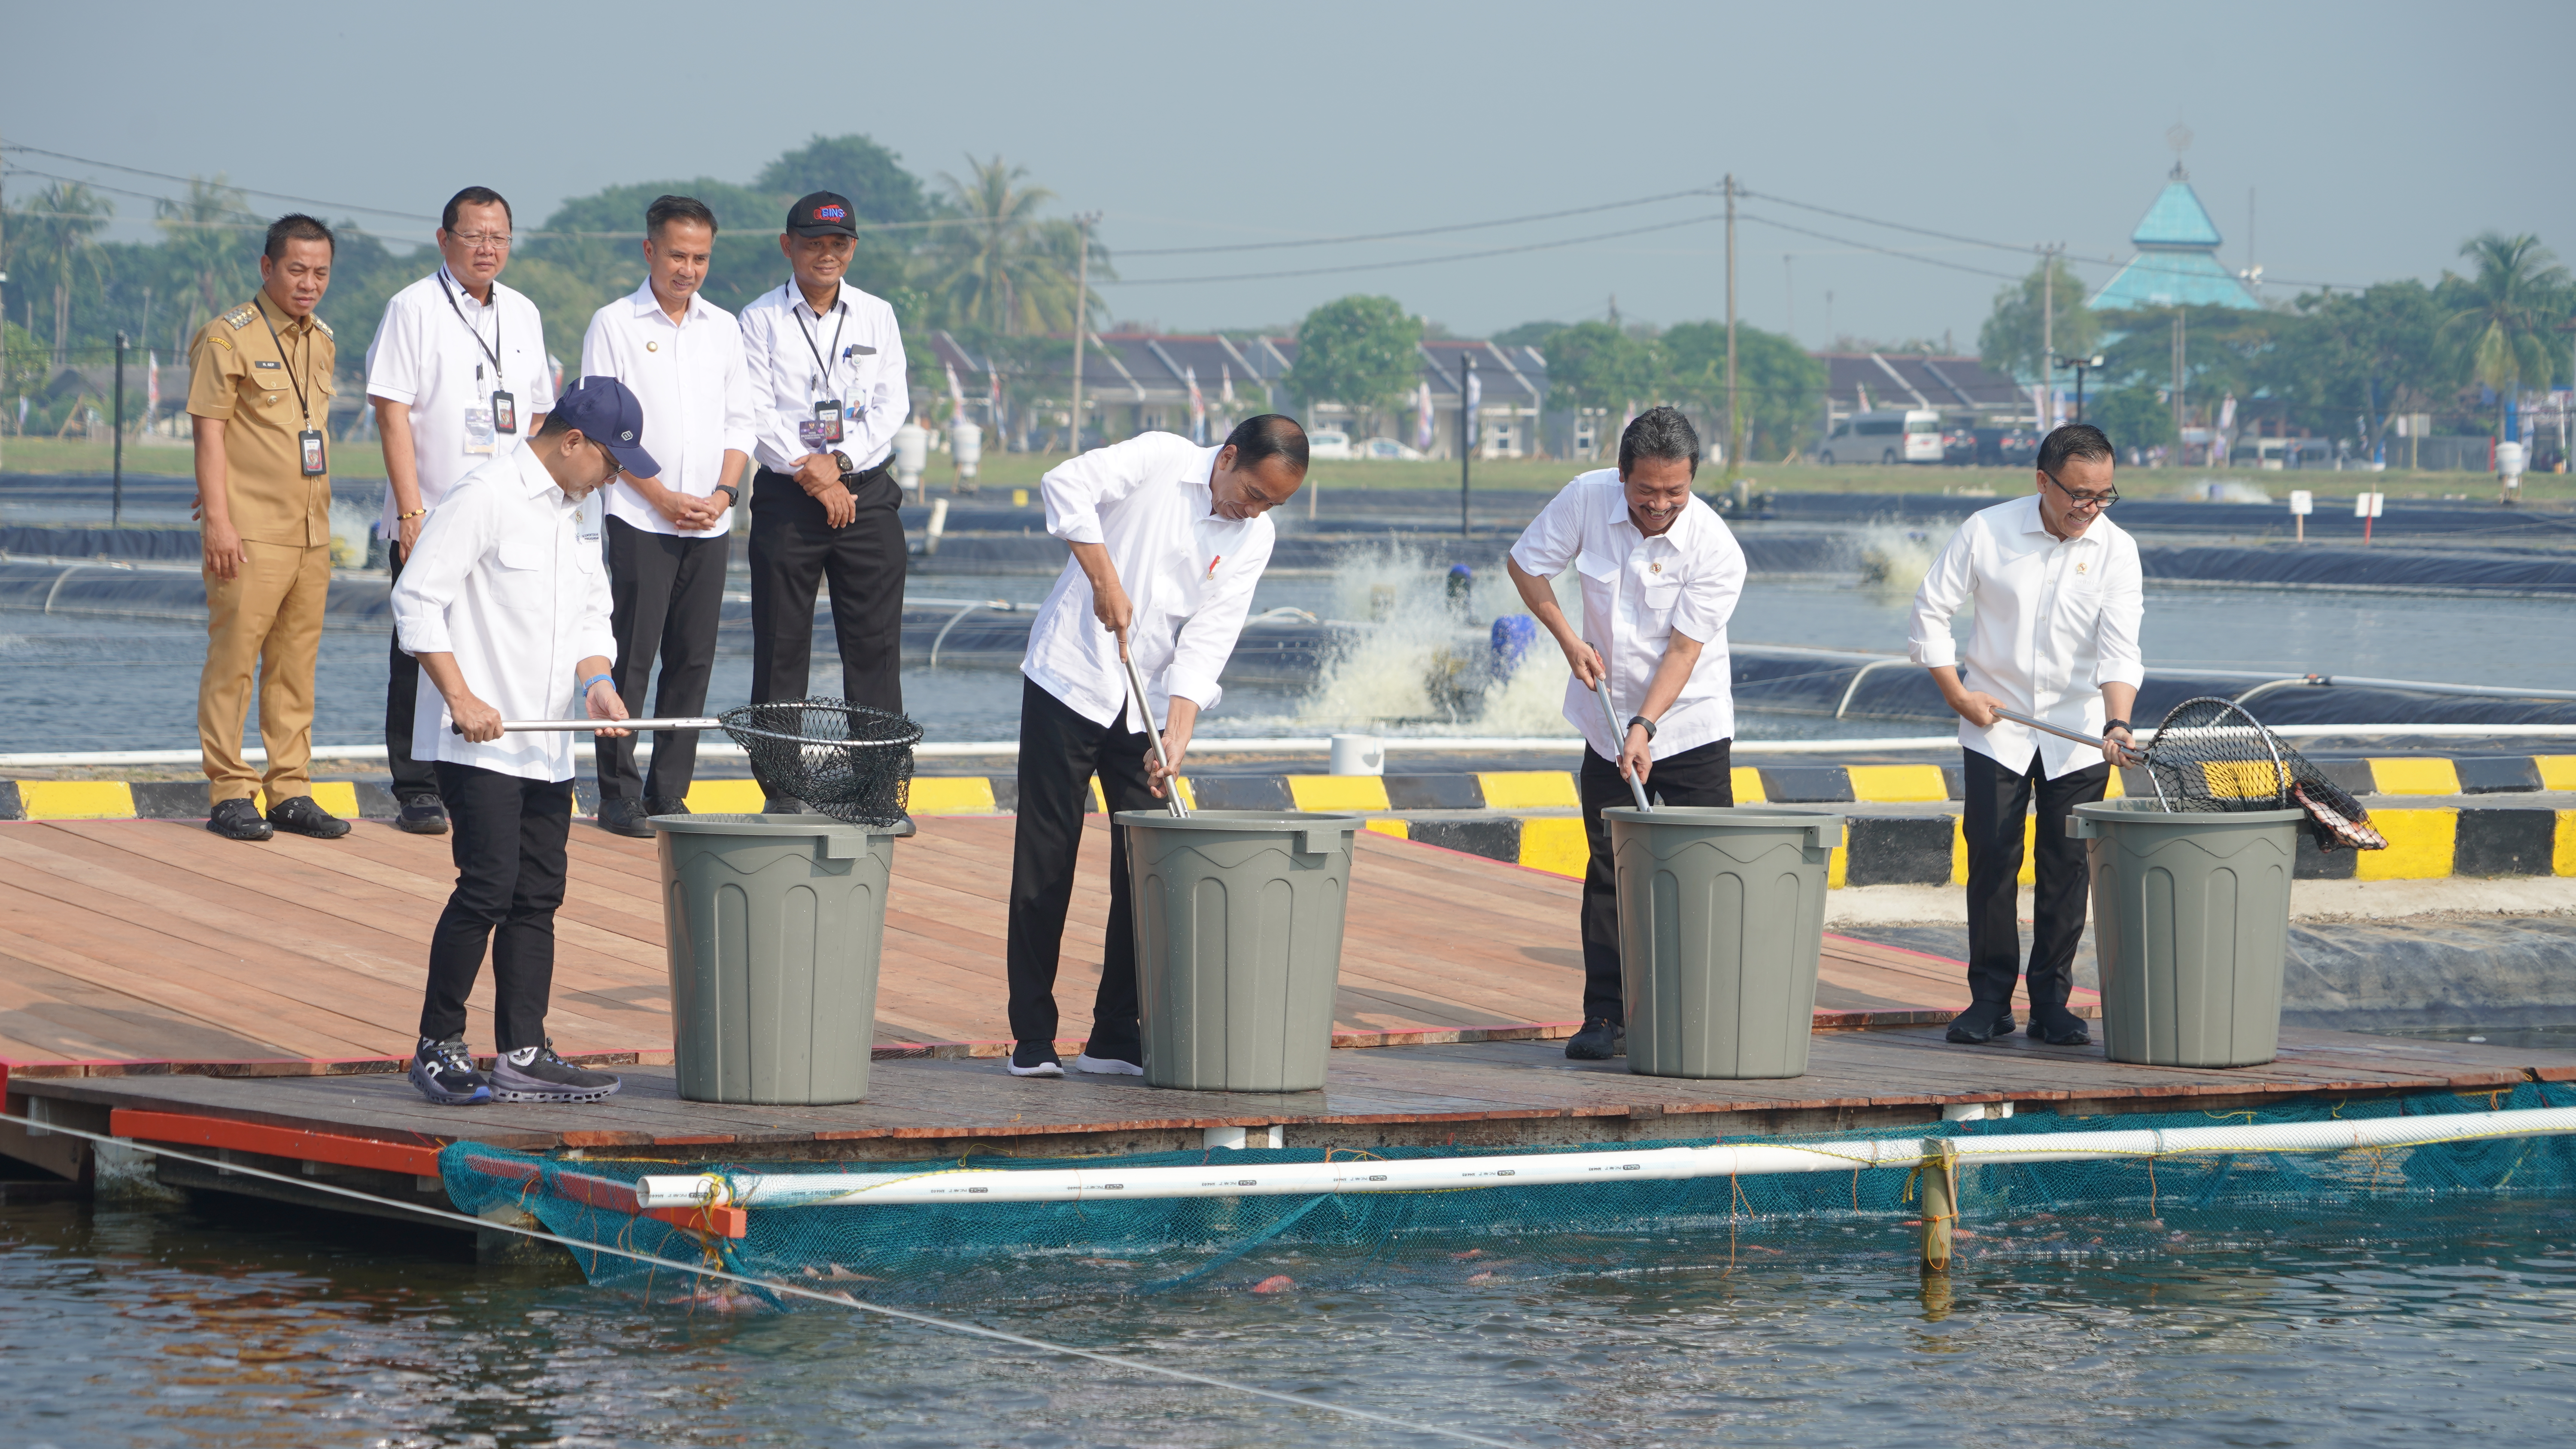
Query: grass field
{"points": [[1500, 475]]}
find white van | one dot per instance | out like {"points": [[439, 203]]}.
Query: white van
{"points": [[1890, 435]]}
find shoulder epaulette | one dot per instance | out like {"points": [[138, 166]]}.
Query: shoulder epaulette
{"points": [[242, 316], [325, 326]]}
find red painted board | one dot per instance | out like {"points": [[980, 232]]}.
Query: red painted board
{"points": [[619, 1197], [189, 1129]]}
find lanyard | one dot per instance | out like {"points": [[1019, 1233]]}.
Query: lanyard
{"points": [[493, 351], [307, 349], [840, 314]]}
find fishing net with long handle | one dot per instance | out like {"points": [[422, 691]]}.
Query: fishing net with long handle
{"points": [[845, 760], [2210, 756]]}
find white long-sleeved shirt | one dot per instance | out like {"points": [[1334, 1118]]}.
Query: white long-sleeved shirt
{"points": [[504, 579], [2056, 619], [1188, 573], [690, 380], [433, 353], [798, 359], [1637, 593]]}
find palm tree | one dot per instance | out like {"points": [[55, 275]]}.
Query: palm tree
{"points": [[997, 266], [60, 224], [2504, 322], [204, 233]]}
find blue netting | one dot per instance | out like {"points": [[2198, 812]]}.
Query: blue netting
{"points": [[1038, 1251]]}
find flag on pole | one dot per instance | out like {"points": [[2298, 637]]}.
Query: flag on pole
{"points": [[993, 395], [1198, 407], [151, 386], [2226, 429], [1475, 401], [1422, 415], [956, 395], [1225, 391]]}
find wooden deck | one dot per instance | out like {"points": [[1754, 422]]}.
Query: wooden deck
{"points": [[132, 945]]}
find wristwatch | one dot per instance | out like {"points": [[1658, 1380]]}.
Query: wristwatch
{"points": [[732, 494], [2110, 725], [1637, 720], [842, 461]]}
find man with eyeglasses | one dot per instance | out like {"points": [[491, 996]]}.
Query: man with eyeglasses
{"points": [[828, 390], [2057, 597], [458, 375]]}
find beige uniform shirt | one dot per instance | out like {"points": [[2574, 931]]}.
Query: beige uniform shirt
{"points": [[245, 375]]}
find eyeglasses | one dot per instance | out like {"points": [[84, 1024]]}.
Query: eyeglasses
{"points": [[2083, 500], [498, 241]]}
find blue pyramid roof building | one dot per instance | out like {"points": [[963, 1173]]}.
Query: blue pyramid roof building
{"points": [[2177, 262]]}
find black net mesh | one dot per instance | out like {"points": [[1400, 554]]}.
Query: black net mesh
{"points": [[2210, 755], [844, 760], [1025, 1252]]}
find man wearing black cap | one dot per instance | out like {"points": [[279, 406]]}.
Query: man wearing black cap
{"points": [[505, 604], [827, 391]]}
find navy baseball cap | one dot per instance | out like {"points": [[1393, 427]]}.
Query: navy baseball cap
{"points": [[608, 414], [823, 213]]}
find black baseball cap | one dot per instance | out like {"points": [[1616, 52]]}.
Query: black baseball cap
{"points": [[608, 414], [822, 213]]}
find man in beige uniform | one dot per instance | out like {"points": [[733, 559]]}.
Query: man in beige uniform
{"points": [[259, 395]]}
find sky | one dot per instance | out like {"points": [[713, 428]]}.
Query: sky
{"points": [[1196, 126]]}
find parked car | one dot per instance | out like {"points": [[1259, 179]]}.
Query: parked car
{"points": [[1384, 449], [1887, 435], [1329, 443], [2014, 447], [1959, 446]]}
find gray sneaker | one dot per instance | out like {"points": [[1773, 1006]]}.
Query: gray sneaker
{"points": [[536, 1074]]}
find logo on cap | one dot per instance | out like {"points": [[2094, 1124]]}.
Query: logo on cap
{"points": [[831, 213], [626, 437]]}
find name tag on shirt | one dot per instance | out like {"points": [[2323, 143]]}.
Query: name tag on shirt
{"points": [[478, 430]]}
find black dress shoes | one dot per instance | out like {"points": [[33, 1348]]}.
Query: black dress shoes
{"points": [[422, 815], [1981, 1023], [1598, 1041], [624, 817], [2057, 1026]]}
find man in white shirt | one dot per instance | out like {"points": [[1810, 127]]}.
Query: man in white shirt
{"points": [[668, 537], [1660, 576], [457, 374], [1169, 540], [828, 390], [506, 607], [2058, 597]]}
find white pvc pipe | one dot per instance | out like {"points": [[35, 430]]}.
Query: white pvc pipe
{"points": [[1663, 1164]]}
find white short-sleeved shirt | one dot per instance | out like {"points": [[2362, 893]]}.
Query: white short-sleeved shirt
{"points": [[689, 379], [2056, 619], [1637, 593], [508, 580], [1188, 573], [852, 354], [435, 350]]}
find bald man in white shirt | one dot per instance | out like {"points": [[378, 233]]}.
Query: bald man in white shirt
{"points": [[1169, 539], [2058, 598]]}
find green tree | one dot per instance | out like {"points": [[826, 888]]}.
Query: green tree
{"points": [[2334, 357], [2506, 321], [599, 240], [1779, 386], [871, 177], [997, 266], [1362, 352], [2009, 342], [2133, 417], [215, 238], [1598, 365], [61, 225]]}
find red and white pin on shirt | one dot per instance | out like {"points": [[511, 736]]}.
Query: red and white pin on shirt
{"points": [[1212, 563]]}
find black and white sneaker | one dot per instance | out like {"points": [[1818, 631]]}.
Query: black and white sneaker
{"points": [[444, 1072], [1035, 1059], [536, 1074]]}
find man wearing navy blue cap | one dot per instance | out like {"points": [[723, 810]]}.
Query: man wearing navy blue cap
{"points": [[505, 604]]}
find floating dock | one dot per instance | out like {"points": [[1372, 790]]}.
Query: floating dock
{"points": [[252, 1005]]}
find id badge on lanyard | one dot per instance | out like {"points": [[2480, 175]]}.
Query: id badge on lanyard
{"points": [[480, 424], [316, 461]]}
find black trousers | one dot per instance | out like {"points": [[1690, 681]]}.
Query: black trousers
{"points": [[412, 778], [1701, 776], [1998, 800], [792, 548], [666, 594], [508, 838], [1059, 753]]}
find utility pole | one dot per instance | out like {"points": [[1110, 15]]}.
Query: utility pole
{"points": [[1081, 322], [2047, 333], [2181, 341], [1466, 432], [116, 504], [1734, 418]]}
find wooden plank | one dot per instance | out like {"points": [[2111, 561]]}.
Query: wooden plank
{"points": [[193, 1130]]}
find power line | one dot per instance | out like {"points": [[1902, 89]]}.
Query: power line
{"points": [[1883, 251], [1327, 241], [195, 180], [1419, 261]]}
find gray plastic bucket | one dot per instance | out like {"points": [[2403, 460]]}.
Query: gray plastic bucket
{"points": [[2191, 922], [775, 925], [1721, 918], [1238, 944]]}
